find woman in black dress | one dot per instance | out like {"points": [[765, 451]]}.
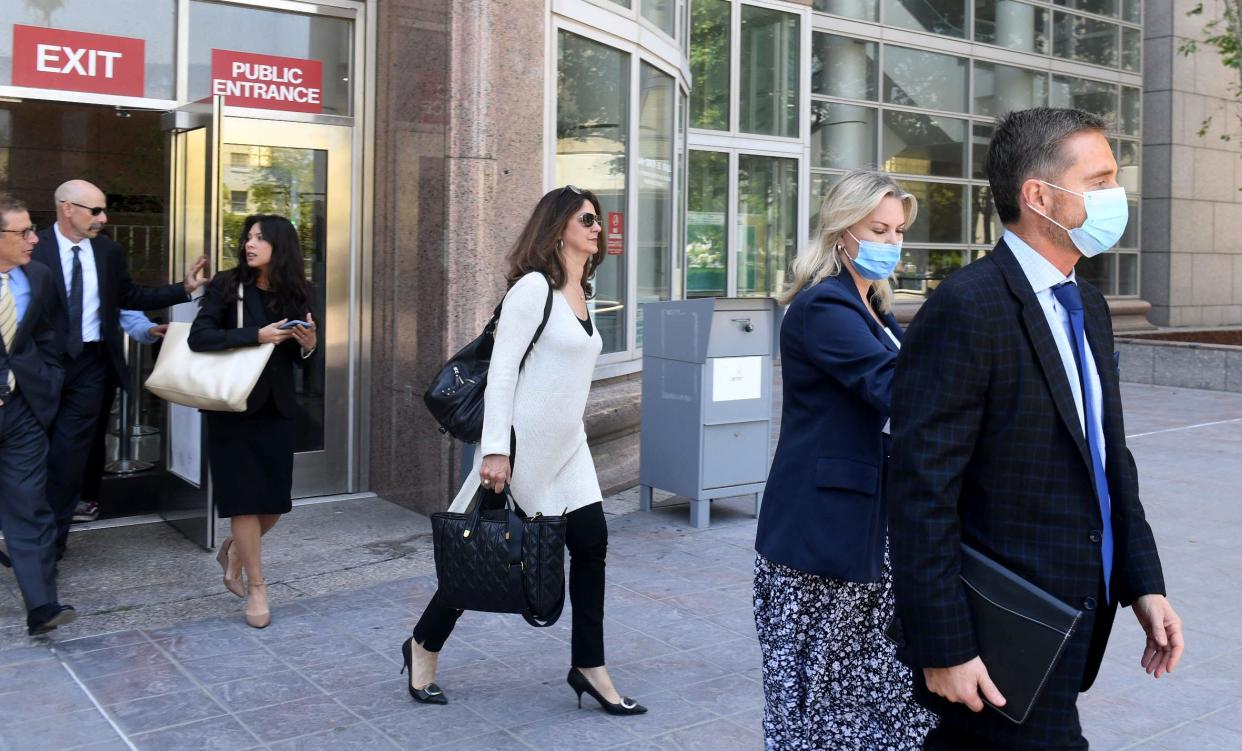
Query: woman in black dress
{"points": [[251, 452]]}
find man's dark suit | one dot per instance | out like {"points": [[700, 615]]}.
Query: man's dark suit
{"points": [[988, 450], [87, 376], [25, 516]]}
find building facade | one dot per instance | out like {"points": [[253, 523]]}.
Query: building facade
{"points": [[409, 139]]}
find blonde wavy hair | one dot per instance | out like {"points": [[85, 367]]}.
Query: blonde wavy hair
{"points": [[847, 203]]}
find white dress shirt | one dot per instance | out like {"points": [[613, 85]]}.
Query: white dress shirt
{"points": [[90, 282], [1043, 276]]}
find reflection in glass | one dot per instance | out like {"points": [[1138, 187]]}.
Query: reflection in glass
{"points": [[662, 13], [270, 32], [293, 183], [821, 182], [1127, 273], [592, 106], [924, 79], [1132, 11], [709, 64], [155, 25], [1131, 111], [707, 235], [1003, 88], [842, 135], [867, 10], [981, 136], [1095, 97], [1128, 168], [946, 17], [921, 270], [767, 223], [940, 212], [917, 144], [1012, 25], [1132, 49], [1087, 40], [1099, 271], [655, 187], [622, 3], [985, 224], [843, 67], [768, 96], [1099, 7]]}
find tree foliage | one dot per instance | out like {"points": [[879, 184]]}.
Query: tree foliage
{"points": [[1224, 35]]}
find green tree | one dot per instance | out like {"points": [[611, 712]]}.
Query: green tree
{"points": [[1224, 35]]}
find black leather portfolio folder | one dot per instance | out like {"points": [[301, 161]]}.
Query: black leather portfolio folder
{"points": [[1021, 630]]}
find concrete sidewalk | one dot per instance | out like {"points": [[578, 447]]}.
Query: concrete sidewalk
{"points": [[161, 660]]}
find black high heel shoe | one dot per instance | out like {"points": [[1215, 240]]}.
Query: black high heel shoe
{"points": [[431, 694], [579, 683]]}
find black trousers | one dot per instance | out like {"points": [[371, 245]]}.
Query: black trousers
{"points": [[586, 538], [93, 472], [25, 516], [954, 738], [81, 398]]}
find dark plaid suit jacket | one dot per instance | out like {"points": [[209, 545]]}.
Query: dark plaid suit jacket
{"points": [[988, 450]]}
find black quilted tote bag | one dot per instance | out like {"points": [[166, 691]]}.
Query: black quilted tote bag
{"points": [[498, 561]]}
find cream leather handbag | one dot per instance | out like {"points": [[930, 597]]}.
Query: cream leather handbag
{"points": [[216, 381]]}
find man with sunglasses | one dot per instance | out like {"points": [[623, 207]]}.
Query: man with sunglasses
{"points": [[30, 376], [95, 286]]}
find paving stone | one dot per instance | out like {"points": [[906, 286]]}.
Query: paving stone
{"points": [[425, 725], [716, 735], [102, 641], [295, 718], [62, 731], [575, 732], [216, 734], [274, 688], [166, 710], [138, 684], [359, 737], [230, 667], [93, 664]]}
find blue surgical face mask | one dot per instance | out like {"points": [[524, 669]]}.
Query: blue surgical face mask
{"points": [[875, 261], [1107, 216]]}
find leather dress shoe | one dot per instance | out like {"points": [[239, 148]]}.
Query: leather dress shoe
{"points": [[47, 617]]}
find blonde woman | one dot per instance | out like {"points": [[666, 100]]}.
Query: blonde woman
{"points": [[823, 593]]}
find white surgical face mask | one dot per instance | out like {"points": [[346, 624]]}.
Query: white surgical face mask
{"points": [[1108, 213]]}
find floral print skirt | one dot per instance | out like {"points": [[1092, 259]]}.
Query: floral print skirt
{"points": [[831, 680]]}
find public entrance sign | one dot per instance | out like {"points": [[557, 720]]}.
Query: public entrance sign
{"points": [[267, 82], [76, 61], [616, 233]]}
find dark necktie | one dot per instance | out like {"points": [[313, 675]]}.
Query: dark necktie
{"points": [[1067, 294], [73, 347]]}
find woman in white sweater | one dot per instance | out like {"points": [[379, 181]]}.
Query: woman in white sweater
{"points": [[538, 407]]}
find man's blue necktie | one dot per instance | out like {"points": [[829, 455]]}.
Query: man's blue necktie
{"points": [[1067, 294]]}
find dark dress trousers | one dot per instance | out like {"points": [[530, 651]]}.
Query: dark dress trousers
{"points": [[25, 515], [988, 450], [87, 375], [250, 454], [823, 510]]}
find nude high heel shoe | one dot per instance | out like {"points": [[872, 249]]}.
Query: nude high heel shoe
{"points": [[231, 583], [259, 620]]}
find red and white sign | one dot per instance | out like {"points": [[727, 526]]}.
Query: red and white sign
{"points": [[616, 233], [267, 82], [77, 61]]}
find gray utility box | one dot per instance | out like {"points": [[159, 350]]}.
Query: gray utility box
{"points": [[707, 400]]}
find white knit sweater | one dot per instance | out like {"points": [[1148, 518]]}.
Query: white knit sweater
{"points": [[543, 402]]}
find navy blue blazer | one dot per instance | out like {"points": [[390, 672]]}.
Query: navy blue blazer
{"points": [[823, 508], [36, 358]]}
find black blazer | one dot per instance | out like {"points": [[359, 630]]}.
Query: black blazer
{"points": [[35, 357], [823, 510], [215, 328], [987, 450], [116, 291]]}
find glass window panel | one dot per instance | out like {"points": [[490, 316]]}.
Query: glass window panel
{"points": [[1099, 271], [843, 67], [924, 79], [921, 270], [1087, 40], [662, 13], [1130, 238], [985, 224], [1132, 11], [1129, 170], [1127, 273], [1003, 88], [622, 3], [592, 106], [1095, 97], [1011, 24], [842, 135], [768, 95], [940, 212], [767, 223], [679, 233], [155, 24], [946, 17], [981, 137], [1132, 49], [707, 234], [1131, 111], [269, 32], [709, 63], [917, 144], [867, 10], [656, 136], [821, 183], [1100, 7]]}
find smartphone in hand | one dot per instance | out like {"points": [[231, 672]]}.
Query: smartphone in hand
{"points": [[296, 322]]}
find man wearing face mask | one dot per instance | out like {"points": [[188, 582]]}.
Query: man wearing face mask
{"points": [[1008, 436]]}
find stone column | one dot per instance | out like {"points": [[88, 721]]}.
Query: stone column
{"points": [[1015, 25]]}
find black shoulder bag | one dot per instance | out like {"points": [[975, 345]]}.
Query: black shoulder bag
{"points": [[455, 397]]}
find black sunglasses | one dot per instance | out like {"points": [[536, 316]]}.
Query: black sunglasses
{"points": [[95, 210], [587, 219], [572, 189]]}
